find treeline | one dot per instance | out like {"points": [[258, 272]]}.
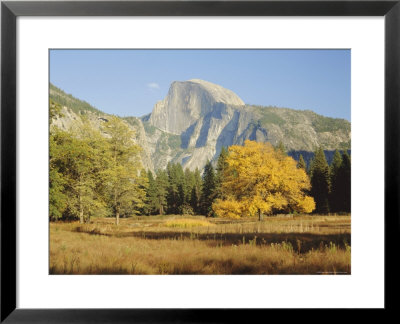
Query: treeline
{"points": [[65, 99], [308, 156], [330, 184], [99, 173], [178, 191]]}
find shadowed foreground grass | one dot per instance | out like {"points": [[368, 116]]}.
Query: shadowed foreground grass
{"points": [[102, 248]]}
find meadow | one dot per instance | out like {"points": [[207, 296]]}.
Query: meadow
{"points": [[182, 244]]}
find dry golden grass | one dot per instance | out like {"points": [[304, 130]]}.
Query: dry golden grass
{"points": [[149, 246], [277, 224], [186, 223]]}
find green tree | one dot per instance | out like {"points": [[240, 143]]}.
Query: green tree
{"points": [[208, 190], [124, 187], [75, 168], [144, 183], [336, 163], [281, 147], [334, 200], [190, 203], [221, 166], [196, 191], [176, 187], [301, 164], [320, 181], [161, 183], [151, 190], [188, 185], [310, 167], [344, 183], [58, 200]]}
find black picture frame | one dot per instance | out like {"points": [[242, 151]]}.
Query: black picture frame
{"points": [[10, 10]]}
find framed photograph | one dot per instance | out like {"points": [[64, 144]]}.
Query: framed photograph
{"points": [[181, 160]]}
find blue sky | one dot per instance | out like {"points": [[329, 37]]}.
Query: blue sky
{"points": [[130, 82]]}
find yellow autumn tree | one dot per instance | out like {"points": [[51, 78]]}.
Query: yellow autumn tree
{"points": [[260, 180]]}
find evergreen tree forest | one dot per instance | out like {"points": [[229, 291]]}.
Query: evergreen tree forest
{"points": [[331, 184], [178, 191]]}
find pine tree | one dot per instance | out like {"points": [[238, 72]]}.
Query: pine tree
{"points": [[301, 164], [221, 166], [151, 195], [344, 183], [142, 204], [188, 186], [196, 191], [310, 167], [336, 163], [161, 184], [208, 190], [281, 147], [320, 181], [334, 200], [176, 188]]}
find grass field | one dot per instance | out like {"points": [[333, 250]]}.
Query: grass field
{"points": [[175, 244]]}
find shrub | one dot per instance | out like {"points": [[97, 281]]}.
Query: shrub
{"points": [[186, 210]]}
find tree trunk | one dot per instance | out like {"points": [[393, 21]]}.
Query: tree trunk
{"points": [[116, 207], [260, 217], [80, 210], [81, 220], [117, 218], [81, 217]]}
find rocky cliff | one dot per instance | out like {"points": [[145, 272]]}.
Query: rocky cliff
{"points": [[197, 118], [74, 111], [187, 102]]}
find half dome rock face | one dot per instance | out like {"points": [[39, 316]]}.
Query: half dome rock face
{"points": [[220, 94], [187, 101]]}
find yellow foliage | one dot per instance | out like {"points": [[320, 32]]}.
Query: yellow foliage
{"points": [[228, 208], [306, 205], [260, 179]]}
